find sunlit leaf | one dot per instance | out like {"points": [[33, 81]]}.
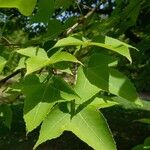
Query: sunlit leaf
{"points": [[89, 125], [26, 7]]}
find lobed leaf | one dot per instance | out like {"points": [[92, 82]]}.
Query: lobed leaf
{"points": [[89, 125]]}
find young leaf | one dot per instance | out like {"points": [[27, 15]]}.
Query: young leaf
{"points": [[25, 6], [138, 104]]}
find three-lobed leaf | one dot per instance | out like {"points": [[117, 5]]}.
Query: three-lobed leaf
{"points": [[89, 125]]}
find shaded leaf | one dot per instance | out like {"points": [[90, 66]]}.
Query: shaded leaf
{"points": [[45, 11], [112, 81]]}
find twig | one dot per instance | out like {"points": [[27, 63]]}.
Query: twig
{"points": [[71, 29], [4, 80]]}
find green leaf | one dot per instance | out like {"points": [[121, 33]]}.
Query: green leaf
{"points": [[112, 81], [6, 114], [21, 63], [67, 92], [53, 125], [63, 3], [144, 120], [84, 88], [26, 7], [145, 146], [38, 58], [41, 97], [63, 67], [115, 46], [128, 104], [2, 63], [35, 64], [145, 105], [32, 52], [103, 102], [116, 43], [54, 32], [109, 43], [89, 125], [45, 11], [99, 59], [62, 57], [69, 41], [147, 143]]}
